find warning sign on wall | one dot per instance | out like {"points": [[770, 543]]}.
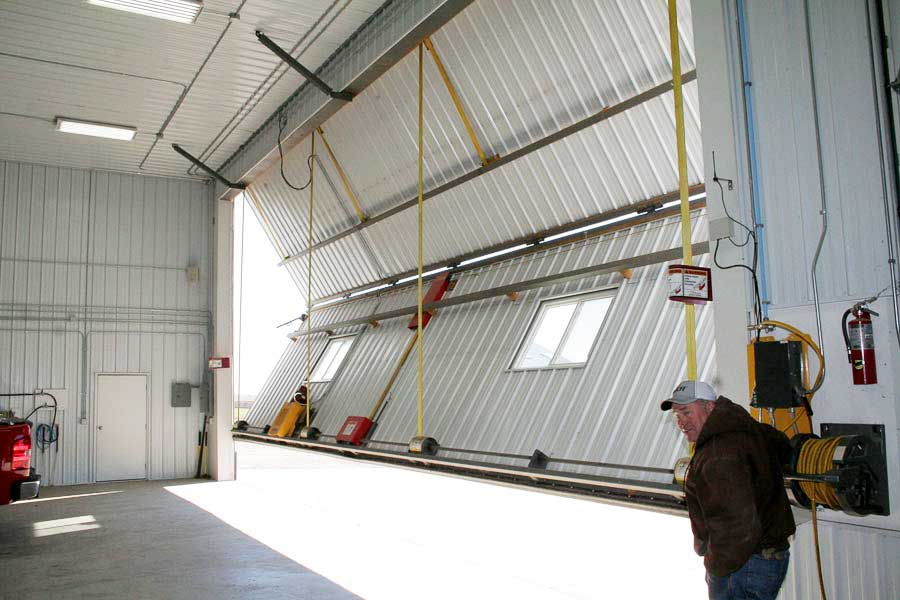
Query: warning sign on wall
{"points": [[690, 284]]}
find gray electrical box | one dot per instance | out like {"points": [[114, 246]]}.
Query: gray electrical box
{"points": [[181, 394]]}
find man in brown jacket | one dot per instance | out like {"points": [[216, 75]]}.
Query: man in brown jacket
{"points": [[735, 494]]}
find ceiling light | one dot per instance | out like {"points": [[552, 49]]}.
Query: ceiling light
{"points": [[104, 130], [182, 11]]}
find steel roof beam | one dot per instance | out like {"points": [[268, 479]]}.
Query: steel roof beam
{"points": [[649, 210], [395, 29], [307, 74], [212, 172], [615, 266]]}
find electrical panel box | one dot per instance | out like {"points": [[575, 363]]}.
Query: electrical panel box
{"points": [[779, 374], [181, 395], [354, 430]]}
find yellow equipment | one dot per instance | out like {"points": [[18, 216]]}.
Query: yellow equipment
{"points": [[287, 418]]}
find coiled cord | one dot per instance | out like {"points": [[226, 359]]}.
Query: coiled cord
{"points": [[815, 459], [45, 435]]}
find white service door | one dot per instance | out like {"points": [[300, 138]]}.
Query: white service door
{"points": [[121, 427]]}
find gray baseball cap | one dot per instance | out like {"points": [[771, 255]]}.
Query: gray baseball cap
{"points": [[689, 391]]}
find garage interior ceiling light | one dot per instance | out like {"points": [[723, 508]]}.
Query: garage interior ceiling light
{"points": [[182, 11], [104, 130]]}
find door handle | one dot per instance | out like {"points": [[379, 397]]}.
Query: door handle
{"points": [[99, 426]]}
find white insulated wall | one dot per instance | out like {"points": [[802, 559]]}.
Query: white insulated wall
{"points": [[861, 556], [605, 411], [92, 281]]}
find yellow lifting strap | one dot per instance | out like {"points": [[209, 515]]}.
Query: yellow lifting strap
{"points": [[309, 256], [421, 237], [689, 322], [337, 166], [459, 108]]}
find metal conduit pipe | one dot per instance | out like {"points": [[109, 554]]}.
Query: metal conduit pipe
{"points": [[78, 263], [257, 95], [187, 89], [96, 320], [756, 201], [84, 349], [885, 187], [83, 384], [824, 205]]}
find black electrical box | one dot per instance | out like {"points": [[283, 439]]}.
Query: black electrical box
{"points": [[779, 374]]}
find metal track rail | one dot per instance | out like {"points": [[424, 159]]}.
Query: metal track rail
{"points": [[668, 497]]}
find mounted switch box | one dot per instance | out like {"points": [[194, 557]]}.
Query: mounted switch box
{"points": [[778, 368], [354, 430], [181, 395]]}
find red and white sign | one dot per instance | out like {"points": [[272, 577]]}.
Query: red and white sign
{"points": [[689, 284], [220, 362]]}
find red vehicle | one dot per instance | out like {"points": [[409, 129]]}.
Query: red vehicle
{"points": [[18, 481]]}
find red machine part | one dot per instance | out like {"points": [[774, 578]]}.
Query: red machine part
{"points": [[354, 430], [438, 287], [861, 346]]}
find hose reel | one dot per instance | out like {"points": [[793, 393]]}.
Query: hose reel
{"points": [[846, 470]]}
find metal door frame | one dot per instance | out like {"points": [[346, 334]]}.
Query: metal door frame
{"points": [[96, 415]]}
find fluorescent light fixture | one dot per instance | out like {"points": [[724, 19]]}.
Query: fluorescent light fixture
{"points": [[104, 130], [182, 11]]}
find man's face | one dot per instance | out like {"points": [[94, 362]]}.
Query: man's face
{"points": [[691, 417]]}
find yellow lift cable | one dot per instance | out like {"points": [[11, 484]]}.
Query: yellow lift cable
{"points": [[359, 212], [459, 108], [309, 256], [421, 200], [689, 323]]}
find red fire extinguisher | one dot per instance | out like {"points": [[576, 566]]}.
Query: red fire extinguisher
{"points": [[860, 342]]}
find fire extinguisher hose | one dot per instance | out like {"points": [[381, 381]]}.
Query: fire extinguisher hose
{"points": [[844, 332]]}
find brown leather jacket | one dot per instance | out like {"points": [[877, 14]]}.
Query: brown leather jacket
{"points": [[735, 489]]}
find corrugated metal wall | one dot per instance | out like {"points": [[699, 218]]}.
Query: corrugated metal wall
{"points": [[523, 71], [93, 280], [860, 555], [603, 411], [789, 173]]}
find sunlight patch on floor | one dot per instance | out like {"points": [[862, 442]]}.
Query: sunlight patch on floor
{"points": [[394, 534]]}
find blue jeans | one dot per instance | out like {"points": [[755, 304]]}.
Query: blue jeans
{"points": [[758, 579]]}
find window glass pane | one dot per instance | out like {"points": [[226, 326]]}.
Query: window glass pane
{"points": [[343, 346], [551, 326], [584, 331], [331, 359]]}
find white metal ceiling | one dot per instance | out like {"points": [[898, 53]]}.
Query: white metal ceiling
{"points": [[70, 58]]}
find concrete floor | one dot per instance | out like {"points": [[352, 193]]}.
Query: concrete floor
{"points": [[140, 542]]}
